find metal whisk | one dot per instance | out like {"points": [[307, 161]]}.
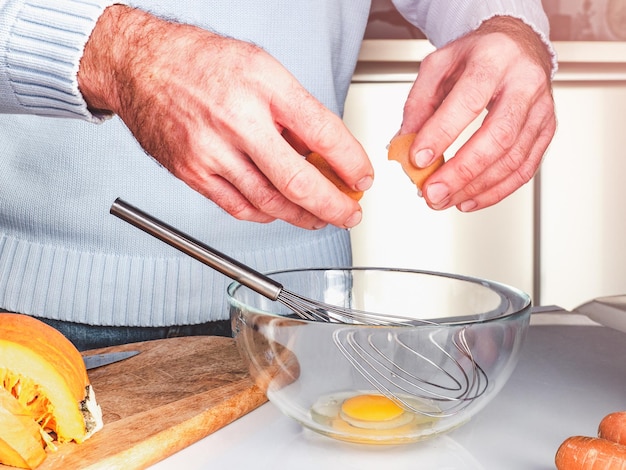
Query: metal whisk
{"points": [[449, 380], [464, 379], [304, 307]]}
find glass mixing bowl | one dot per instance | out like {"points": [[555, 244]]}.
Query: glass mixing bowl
{"points": [[458, 344]]}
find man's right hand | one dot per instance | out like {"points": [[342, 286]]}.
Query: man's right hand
{"points": [[213, 111]]}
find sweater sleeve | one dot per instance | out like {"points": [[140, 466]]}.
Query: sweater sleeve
{"points": [[41, 44], [443, 22]]}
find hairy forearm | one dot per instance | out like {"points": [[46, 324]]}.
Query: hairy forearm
{"points": [[101, 65], [119, 55], [524, 36]]}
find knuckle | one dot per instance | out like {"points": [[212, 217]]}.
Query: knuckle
{"points": [[514, 168], [297, 187], [474, 98], [478, 84], [475, 187], [511, 162], [332, 212], [536, 74], [503, 133], [328, 134], [301, 218], [269, 200], [447, 130], [524, 175], [238, 207], [239, 211], [549, 122], [258, 201], [525, 172], [466, 170], [495, 195], [300, 190], [434, 61]]}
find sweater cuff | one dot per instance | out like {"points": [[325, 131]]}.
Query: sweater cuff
{"points": [[44, 48]]}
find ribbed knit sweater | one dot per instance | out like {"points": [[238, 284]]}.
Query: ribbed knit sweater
{"points": [[62, 255]]}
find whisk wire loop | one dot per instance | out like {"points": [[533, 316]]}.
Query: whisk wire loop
{"points": [[397, 383]]}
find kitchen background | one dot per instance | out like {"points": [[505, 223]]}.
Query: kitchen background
{"points": [[562, 237], [570, 20]]}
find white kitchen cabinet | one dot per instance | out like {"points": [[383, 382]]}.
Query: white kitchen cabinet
{"points": [[583, 178], [398, 228]]}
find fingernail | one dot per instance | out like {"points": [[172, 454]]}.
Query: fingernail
{"points": [[468, 206], [437, 193], [353, 220], [365, 183], [424, 158]]}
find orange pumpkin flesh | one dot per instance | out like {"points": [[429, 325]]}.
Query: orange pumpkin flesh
{"points": [[21, 444], [399, 150], [46, 375]]}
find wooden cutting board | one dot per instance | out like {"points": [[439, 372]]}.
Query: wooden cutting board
{"points": [[175, 392]]}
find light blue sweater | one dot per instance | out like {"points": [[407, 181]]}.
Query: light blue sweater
{"points": [[62, 255]]}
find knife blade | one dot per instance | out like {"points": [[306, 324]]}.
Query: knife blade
{"points": [[99, 360]]}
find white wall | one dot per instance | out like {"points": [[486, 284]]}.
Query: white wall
{"points": [[583, 203]]}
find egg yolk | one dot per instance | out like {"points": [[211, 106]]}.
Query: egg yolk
{"points": [[371, 408], [370, 417]]}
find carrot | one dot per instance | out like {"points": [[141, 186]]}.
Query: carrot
{"points": [[590, 453], [613, 427]]}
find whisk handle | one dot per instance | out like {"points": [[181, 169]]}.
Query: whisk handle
{"points": [[198, 250]]}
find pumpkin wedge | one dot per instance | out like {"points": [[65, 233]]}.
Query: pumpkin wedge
{"points": [[46, 375], [21, 444]]}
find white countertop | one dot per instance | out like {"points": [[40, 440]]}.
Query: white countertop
{"points": [[571, 373]]}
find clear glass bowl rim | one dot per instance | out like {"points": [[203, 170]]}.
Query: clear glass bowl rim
{"points": [[505, 291]]}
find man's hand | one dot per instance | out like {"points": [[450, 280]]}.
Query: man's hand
{"points": [[503, 67], [215, 112]]}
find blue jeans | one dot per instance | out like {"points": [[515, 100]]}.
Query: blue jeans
{"points": [[91, 337]]}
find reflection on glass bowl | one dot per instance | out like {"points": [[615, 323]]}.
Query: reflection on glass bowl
{"points": [[382, 384]]}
